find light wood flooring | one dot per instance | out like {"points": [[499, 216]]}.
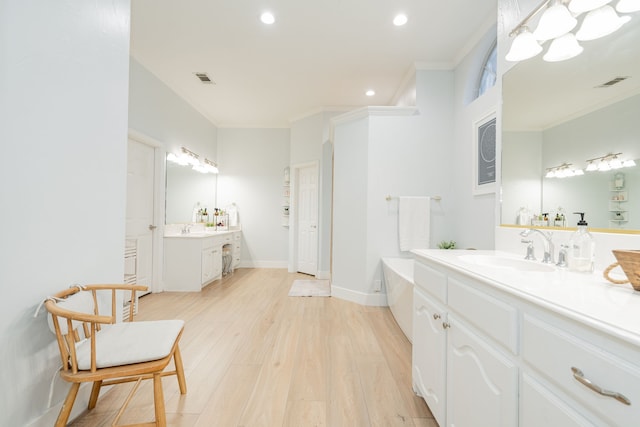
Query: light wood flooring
{"points": [[255, 357]]}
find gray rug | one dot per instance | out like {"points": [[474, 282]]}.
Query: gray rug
{"points": [[310, 288]]}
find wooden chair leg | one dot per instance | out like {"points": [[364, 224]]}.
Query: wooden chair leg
{"points": [[95, 392], [177, 359], [158, 400], [63, 416]]}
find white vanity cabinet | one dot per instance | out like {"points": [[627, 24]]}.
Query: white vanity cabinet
{"points": [[237, 248], [211, 261], [462, 374], [192, 262], [576, 374], [542, 350], [429, 350]]}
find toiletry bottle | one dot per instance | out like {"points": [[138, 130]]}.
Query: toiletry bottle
{"points": [[581, 251]]}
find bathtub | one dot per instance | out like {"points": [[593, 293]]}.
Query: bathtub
{"points": [[398, 279]]}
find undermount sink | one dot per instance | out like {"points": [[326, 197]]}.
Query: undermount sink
{"points": [[507, 263]]}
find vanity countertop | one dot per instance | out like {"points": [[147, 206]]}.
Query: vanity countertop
{"points": [[199, 234], [588, 298]]}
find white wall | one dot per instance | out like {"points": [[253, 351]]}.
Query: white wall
{"points": [[472, 216], [158, 112], [251, 163], [63, 127], [380, 152]]}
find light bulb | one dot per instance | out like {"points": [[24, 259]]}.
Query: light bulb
{"points": [[524, 46], [600, 22], [554, 22], [563, 48], [628, 6]]}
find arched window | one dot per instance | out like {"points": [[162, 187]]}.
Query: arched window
{"points": [[489, 71]]}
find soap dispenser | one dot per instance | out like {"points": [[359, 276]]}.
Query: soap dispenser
{"points": [[581, 251]]}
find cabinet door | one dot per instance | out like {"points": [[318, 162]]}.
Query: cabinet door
{"points": [[207, 265], [217, 262], [429, 353], [541, 407], [482, 386]]}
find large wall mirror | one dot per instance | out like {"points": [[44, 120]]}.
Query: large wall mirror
{"points": [[568, 113], [187, 191]]}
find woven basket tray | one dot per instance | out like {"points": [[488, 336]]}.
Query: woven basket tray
{"points": [[629, 261]]}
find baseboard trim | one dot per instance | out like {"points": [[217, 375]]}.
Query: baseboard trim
{"points": [[49, 417], [263, 264], [375, 299]]}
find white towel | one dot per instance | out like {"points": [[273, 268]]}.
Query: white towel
{"points": [[413, 223]]}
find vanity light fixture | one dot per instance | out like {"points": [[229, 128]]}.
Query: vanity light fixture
{"points": [[609, 162], [600, 22], [557, 22], [187, 157], [628, 6], [564, 170], [370, 92]]}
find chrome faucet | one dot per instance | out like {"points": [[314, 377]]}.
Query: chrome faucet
{"points": [[548, 257], [186, 229]]}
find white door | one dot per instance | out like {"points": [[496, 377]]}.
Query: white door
{"points": [[307, 219], [139, 221]]}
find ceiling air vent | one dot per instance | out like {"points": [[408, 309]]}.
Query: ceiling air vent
{"points": [[204, 78], [613, 81]]}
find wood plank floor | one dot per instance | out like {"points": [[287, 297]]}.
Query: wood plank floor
{"points": [[255, 357]]}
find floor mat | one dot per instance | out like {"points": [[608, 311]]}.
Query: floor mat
{"points": [[310, 288]]}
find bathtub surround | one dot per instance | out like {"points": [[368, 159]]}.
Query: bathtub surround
{"points": [[398, 282]]}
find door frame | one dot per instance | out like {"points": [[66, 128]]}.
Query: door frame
{"points": [[293, 213], [157, 276]]}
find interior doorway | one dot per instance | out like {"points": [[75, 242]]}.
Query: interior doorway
{"points": [[141, 218], [305, 210]]}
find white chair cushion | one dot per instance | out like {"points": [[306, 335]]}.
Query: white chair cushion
{"points": [[130, 342]]}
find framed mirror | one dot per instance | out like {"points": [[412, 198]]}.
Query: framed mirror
{"points": [[567, 113], [186, 191]]}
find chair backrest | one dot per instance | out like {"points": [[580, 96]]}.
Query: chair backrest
{"points": [[81, 302], [75, 317]]}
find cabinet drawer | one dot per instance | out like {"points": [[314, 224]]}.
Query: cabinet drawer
{"points": [[554, 352], [539, 406], [430, 280], [494, 317]]}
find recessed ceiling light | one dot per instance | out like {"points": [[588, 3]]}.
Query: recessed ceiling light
{"points": [[400, 20], [370, 92], [267, 18]]}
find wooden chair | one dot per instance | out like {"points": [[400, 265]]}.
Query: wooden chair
{"points": [[94, 348]]}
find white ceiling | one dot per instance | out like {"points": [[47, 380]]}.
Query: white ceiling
{"points": [[319, 54]]}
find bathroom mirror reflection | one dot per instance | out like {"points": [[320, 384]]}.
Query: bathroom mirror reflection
{"points": [[187, 191], [570, 112]]}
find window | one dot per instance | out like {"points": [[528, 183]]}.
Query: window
{"points": [[489, 70]]}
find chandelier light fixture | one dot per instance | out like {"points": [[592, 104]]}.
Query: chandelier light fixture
{"points": [[565, 23]]}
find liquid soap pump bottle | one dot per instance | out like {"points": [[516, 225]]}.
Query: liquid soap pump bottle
{"points": [[581, 248]]}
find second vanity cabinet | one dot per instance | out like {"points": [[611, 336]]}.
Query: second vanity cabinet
{"points": [[193, 261], [484, 354]]}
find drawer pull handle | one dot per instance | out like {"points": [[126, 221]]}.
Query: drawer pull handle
{"points": [[436, 316], [579, 375], [446, 325]]}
